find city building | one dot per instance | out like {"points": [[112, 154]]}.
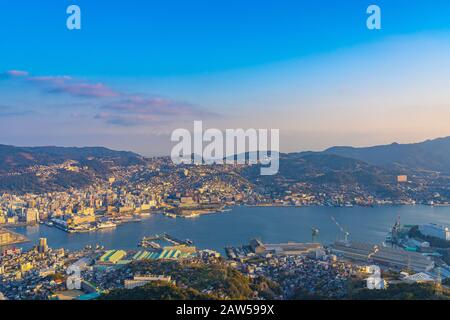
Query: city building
{"points": [[81, 219], [139, 281], [375, 281], [43, 247], [31, 216]]}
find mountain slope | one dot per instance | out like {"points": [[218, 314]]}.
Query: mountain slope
{"points": [[44, 169], [431, 155], [322, 170], [13, 158]]}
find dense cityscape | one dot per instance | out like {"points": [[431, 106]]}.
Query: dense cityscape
{"points": [[81, 195], [255, 271], [164, 267]]}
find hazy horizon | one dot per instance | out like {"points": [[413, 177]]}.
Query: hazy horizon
{"points": [[168, 154]]}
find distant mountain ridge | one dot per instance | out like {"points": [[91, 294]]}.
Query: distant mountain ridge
{"points": [[373, 170], [12, 157], [432, 155]]}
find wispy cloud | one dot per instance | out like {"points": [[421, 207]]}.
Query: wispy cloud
{"points": [[135, 110], [118, 108], [74, 87], [126, 120], [62, 85], [7, 111], [153, 106], [15, 74]]}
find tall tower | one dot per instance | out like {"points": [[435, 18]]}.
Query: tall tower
{"points": [[43, 247]]}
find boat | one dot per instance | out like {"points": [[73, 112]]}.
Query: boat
{"points": [[106, 225], [80, 229], [145, 214], [191, 216]]}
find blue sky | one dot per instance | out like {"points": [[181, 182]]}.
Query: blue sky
{"points": [[137, 69]]}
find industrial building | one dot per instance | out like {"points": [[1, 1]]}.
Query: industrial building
{"points": [[386, 256], [112, 257], [121, 257], [81, 264], [286, 249], [435, 230], [167, 253]]}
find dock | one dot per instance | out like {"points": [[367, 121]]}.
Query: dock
{"points": [[150, 241]]}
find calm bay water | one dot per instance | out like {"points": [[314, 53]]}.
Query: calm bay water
{"points": [[243, 223]]}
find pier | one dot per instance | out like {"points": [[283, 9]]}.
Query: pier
{"points": [[150, 241]]}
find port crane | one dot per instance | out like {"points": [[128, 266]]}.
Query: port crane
{"points": [[396, 231], [374, 251], [346, 233], [314, 233]]}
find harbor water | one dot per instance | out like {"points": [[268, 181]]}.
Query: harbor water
{"points": [[239, 225]]}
